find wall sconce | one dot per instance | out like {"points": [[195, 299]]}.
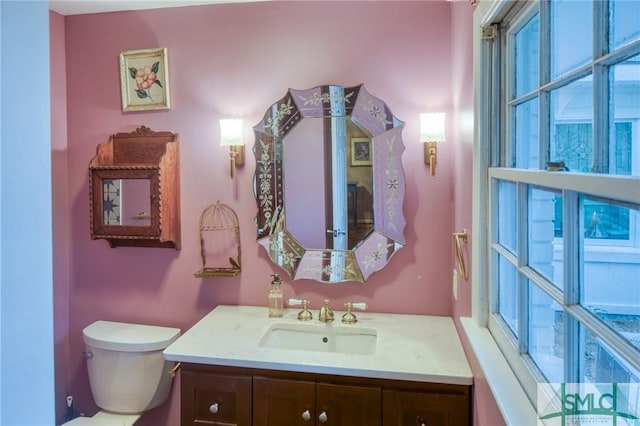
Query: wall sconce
{"points": [[431, 132], [231, 136]]}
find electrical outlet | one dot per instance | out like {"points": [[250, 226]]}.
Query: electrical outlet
{"points": [[455, 284]]}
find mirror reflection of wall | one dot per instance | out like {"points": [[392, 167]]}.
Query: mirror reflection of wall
{"points": [[127, 202], [359, 184], [308, 183], [304, 183]]}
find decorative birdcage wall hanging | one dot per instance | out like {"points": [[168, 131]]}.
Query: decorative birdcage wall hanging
{"points": [[219, 242]]}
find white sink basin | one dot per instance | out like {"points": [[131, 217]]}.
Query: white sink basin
{"points": [[304, 337]]}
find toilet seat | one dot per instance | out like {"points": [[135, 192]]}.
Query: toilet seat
{"points": [[103, 418], [90, 421]]}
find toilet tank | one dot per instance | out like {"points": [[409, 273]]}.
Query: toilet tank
{"points": [[127, 371]]}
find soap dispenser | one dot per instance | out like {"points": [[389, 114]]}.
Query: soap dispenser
{"points": [[275, 297]]}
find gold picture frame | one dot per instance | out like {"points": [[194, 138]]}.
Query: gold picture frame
{"points": [[361, 152], [144, 79]]}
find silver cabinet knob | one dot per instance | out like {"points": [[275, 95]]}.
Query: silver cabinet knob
{"points": [[323, 417], [214, 408], [306, 416]]}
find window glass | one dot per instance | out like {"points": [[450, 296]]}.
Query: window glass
{"points": [[624, 151], [600, 364], [546, 343], [545, 250], [611, 272], [571, 35], [607, 221], [508, 295], [624, 22], [527, 57], [527, 137], [507, 215], [571, 138]]}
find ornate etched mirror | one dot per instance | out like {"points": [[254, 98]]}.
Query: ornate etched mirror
{"points": [[329, 183]]}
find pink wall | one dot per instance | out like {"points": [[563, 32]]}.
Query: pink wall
{"points": [[236, 60], [485, 410]]}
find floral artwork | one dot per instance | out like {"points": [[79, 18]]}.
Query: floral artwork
{"points": [[144, 79]]}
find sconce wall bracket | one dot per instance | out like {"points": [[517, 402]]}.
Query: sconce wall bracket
{"points": [[430, 155]]}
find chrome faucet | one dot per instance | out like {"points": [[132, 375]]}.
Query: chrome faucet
{"points": [[326, 314]]}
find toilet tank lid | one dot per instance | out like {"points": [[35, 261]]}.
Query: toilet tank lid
{"points": [[127, 337]]}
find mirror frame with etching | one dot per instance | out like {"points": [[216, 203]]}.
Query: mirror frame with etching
{"points": [[332, 104]]}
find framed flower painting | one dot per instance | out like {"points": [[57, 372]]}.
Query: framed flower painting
{"points": [[144, 79]]}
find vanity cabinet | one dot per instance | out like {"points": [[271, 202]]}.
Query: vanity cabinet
{"points": [[134, 190], [217, 395]]}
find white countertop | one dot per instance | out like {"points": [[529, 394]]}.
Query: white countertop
{"points": [[409, 347]]}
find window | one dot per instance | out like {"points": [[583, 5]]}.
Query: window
{"points": [[563, 190]]}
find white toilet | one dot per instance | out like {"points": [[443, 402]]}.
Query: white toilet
{"points": [[127, 371]]}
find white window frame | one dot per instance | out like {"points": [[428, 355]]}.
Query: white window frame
{"points": [[487, 127]]}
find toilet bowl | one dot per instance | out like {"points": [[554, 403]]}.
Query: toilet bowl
{"points": [[127, 371]]}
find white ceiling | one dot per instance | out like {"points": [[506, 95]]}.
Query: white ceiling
{"points": [[78, 7]]}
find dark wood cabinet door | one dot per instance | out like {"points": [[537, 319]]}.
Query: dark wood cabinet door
{"points": [[348, 405], [424, 409], [215, 400], [279, 402]]}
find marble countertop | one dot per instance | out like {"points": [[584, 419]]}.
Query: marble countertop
{"points": [[409, 347]]}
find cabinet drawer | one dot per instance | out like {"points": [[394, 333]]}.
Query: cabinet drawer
{"points": [[202, 391], [402, 408]]}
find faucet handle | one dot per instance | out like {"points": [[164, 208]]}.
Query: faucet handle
{"points": [[349, 317], [305, 314], [359, 305]]}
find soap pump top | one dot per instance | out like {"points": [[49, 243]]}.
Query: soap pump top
{"points": [[275, 297]]}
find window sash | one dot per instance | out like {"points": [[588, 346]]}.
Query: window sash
{"points": [[497, 160]]}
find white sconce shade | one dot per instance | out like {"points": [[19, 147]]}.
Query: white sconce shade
{"points": [[231, 132], [432, 127], [432, 132]]}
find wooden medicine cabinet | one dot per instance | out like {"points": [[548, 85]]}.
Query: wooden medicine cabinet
{"points": [[134, 190]]}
